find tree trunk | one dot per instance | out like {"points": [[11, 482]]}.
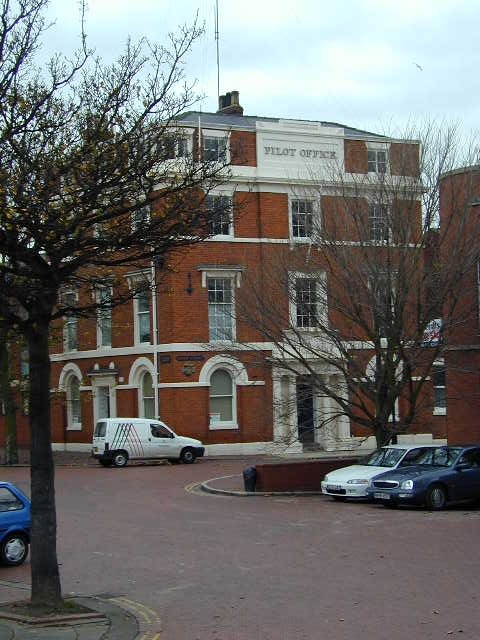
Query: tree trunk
{"points": [[46, 589], [383, 433], [11, 444], [6, 394]]}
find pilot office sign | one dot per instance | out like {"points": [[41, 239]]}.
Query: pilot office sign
{"points": [[303, 153], [295, 155]]}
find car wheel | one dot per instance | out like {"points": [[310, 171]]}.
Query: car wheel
{"points": [[187, 456], [120, 458], [436, 497], [339, 498], [14, 549]]}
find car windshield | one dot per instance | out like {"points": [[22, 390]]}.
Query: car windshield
{"points": [[441, 457], [387, 457]]}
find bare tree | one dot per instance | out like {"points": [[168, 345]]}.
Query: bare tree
{"points": [[93, 183], [8, 395], [360, 303]]}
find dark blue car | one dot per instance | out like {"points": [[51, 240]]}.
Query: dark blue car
{"points": [[441, 475], [14, 524]]}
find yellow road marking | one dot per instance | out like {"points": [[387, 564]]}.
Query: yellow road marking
{"points": [[148, 616]]}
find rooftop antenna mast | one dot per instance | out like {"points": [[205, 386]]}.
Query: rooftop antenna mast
{"points": [[218, 49]]}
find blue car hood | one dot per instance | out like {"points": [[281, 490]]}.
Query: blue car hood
{"points": [[411, 472]]}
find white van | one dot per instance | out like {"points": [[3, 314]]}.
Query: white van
{"points": [[118, 440]]}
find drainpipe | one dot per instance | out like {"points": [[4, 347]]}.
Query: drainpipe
{"points": [[155, 339]]}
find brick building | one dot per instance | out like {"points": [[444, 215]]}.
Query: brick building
{"points": [[182, 351], [459, 370]]}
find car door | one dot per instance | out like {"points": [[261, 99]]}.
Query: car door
{"points": [[14, 511], [467, 478]]}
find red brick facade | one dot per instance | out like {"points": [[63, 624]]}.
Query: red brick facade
{"points": [[181, 352], [459, 195]]}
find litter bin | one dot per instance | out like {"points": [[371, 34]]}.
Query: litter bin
{"points": [[249, 478]]}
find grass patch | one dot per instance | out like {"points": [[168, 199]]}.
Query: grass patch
{"points": [[25, 608]]}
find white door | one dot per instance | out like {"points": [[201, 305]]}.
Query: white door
{"points": [[103, 402]]}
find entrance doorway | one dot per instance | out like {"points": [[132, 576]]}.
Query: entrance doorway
{"points": [[103, 402], [305, 421]]}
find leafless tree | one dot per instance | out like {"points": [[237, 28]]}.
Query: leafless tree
{"points": [[91, 185], [359, 305]]}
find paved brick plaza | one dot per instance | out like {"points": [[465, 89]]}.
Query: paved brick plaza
{"points": [[266, 568]]}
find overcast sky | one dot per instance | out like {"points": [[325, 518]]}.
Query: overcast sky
{"points": [[371, 64]]}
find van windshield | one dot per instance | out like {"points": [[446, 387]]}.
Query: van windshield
{"points": [[100, 430]]}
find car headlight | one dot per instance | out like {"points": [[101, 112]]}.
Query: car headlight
{"points": [[407, 484], [357, 481]]}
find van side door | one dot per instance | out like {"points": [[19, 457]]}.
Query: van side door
{"points": [[161, 442]]}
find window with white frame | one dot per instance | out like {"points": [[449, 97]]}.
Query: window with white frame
{"points": [[221, 319], [222, 400], [302, 218], [382, 287], [175, 146], [74, 409], [377, 160], [309, 301], [219, 214], [147, 396], [379, 222], [439, 388], [141, 218], [104, 317], [214, 148], [142, 317], [70, 323], [182, 147]]}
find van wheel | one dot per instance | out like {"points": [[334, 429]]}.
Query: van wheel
{"points": [[120, 458], [187, 456]]}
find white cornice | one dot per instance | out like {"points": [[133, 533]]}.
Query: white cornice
{"points": [[173, 347]]}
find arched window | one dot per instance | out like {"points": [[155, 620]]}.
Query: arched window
{"points": [[222, 405], [74, 409], [147, 396], [223, 375]]}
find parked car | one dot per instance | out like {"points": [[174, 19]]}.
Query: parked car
{"points": [[353, 481], [14, 524], [118, 440], [443, 475]]}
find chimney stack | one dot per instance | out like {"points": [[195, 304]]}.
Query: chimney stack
{"points": [[229, 103]]}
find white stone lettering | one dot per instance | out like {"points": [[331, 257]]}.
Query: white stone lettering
{"points": [[304, 153], [277, 151], [317, 153]]}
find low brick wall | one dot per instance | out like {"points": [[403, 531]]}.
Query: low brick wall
{"points": [[302, 475]]}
